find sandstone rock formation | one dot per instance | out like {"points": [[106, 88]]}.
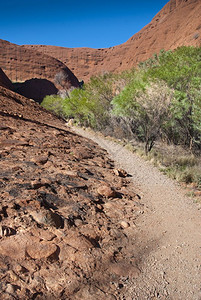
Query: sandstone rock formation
{"points": [[177, 24], [21, 64], [62, 234]]}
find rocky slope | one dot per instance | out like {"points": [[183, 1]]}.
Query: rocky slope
{"points": [[66, 214], [24, 65], [177, 24]]}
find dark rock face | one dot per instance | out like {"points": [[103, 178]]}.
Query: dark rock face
{"points": [[66, 217], [177, 24], [36, 89], [5, 81]]}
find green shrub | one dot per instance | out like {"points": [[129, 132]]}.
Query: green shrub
{"points": [[180, 71], [161, 99], [148, 106], [54, 104]]}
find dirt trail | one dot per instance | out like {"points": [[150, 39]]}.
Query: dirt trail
{"points": [[168, 246]]}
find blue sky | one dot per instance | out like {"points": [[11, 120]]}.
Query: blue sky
{"points": [[86, 23]]}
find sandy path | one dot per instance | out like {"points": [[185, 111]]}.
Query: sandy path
{"points": [[168, 247]]}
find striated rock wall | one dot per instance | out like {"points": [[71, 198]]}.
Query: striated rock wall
{"points": [[32, 72], [20, 64]]}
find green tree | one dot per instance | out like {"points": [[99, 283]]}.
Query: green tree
{"points": [[148, 106]]}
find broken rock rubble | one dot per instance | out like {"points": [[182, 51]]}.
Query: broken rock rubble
{"points": [[64, 215]]}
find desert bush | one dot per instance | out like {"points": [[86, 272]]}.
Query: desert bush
{"points": [[148, 106], [89, 106], [181, 70], [55, 104]]}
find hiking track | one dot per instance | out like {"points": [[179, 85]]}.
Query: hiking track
{"points": [[168, 242]]}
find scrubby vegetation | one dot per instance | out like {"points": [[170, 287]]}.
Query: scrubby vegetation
{"points": [[174, 161], [160, 100]]}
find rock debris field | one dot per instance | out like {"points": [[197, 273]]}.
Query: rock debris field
{"points": [[67, 214]]}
